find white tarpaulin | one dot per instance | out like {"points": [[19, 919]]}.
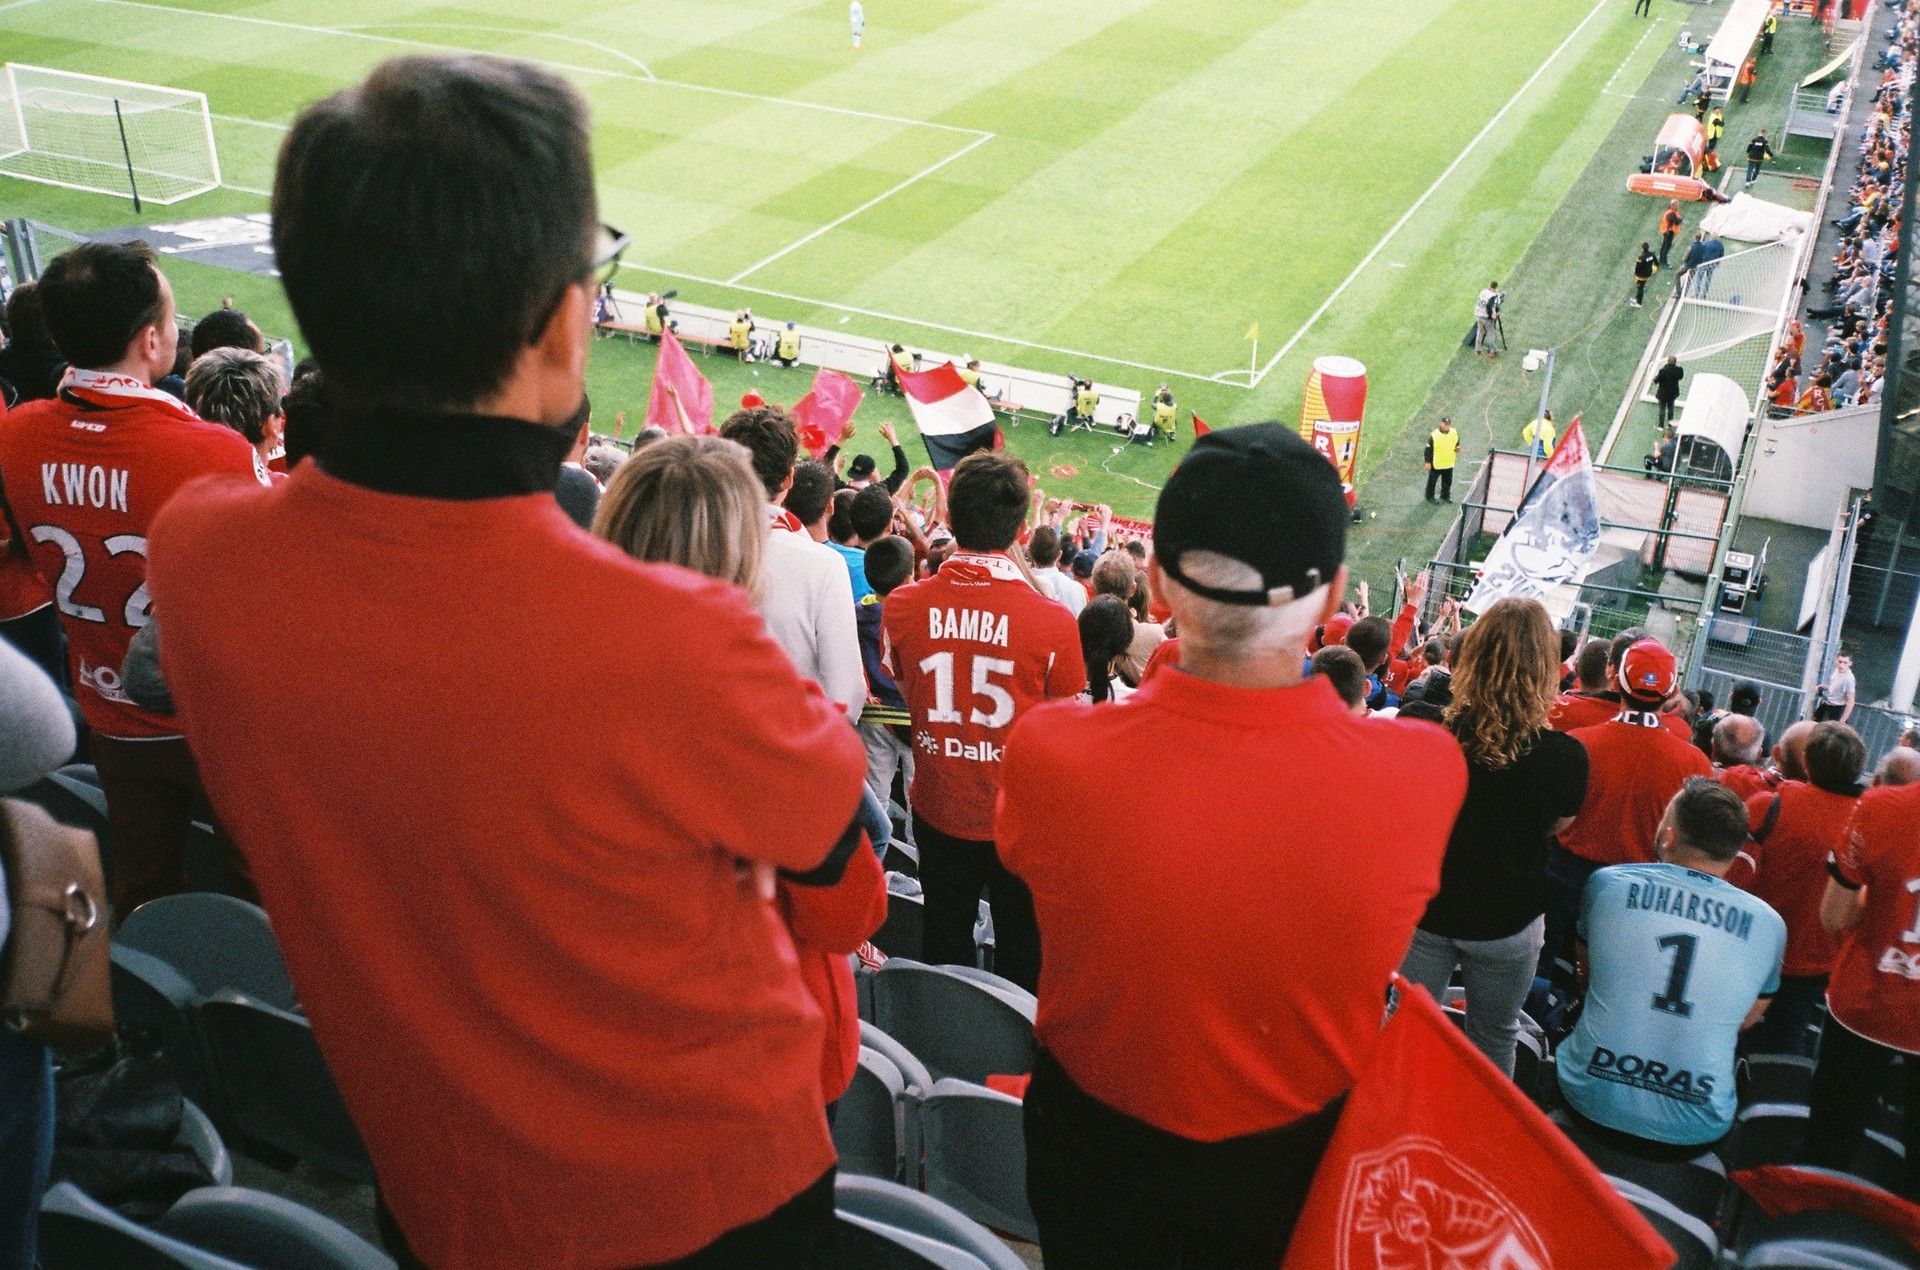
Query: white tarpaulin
{"points": [[1735, 39], [1754, 220]]}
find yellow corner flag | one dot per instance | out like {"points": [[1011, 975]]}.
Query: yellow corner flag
{"points": [[1253, 332]]}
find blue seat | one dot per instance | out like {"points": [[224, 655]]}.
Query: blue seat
{"points": [[217, 942], [77, 1233], [975, 1149], [153, 1008], [277, 1086], [959, 1021], [869, 1122], [259, 1229], [885, 1226], [198, 1135]]}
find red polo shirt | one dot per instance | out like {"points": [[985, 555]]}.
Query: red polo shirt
{"points": [[1633, 772], [1218, 942], [1790, 867], [1747, 780], [1875, 990], [567, 1018], [1573, 710]]}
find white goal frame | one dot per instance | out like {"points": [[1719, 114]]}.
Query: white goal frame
{"points": [[21, 142]]}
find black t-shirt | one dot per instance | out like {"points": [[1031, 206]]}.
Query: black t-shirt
{"points": [[1493, 882]]}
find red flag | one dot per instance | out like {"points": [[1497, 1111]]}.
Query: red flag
{"points": [[822, 414], [1780, 1189], [692, 414], [1199, 429], [1440, 1160]]}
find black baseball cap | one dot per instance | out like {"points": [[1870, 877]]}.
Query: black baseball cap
{"points": [[861, 467], [1260, 495]]}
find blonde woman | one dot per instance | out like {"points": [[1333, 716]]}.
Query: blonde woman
{"points": [[695, 502], [1524, 784]]}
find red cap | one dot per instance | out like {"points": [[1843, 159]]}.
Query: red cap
{"points": [[1334, 632], [1648, 671], [751, 400]]}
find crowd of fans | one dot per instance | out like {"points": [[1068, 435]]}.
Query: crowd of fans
{"points": [[595, 926], [1850, 369]]}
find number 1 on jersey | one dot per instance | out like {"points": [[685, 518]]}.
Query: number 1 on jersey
{"points": [[1674, 999], [940, 666]]}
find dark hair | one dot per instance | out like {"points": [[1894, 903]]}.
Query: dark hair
{"points": [[871, 512], [840, 523], [1710, 818], [1834, 757], [98, 297], [308, 410], [889, 564], [1590, 667], [1106, 632], [987, 501], [1344, 670], [812, 491], [1135, 548], [1744, 699], [427, 222], [1044, 547], [1618, 646], [771, 441], [1569, 644], [1425, 711], [225, 328], [26, 321], [1369, 637]]}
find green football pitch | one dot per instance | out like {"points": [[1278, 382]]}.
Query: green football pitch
{"points": [[1119, 188]]}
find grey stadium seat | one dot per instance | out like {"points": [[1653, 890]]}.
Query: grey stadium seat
{"points": [[1823, 1241], [901, 934], [957, 1020], [198, 1135], [153, 1008], [976, 1155], [79, 1233], [1778, 1078], [1691, 1239], [885, 1226], [259, 1229], [869, 1122], [277, 1086], [219, 943]]}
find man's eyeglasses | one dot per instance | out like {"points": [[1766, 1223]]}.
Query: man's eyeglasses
{"points": [[609, 245]]}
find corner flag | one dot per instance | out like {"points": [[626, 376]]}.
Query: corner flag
{"points": [[1253, 333]]}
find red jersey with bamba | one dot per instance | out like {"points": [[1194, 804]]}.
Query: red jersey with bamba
{"points": [[82, 476], [1790, 860], [1875, 990], [973, 647], [1633, 771]]}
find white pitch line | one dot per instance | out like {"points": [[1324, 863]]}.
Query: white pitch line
{"points": [[919, 322], [246, 189], [963, 151], [608, 49], [258, 123], [17, 4], [342, 33], [1627, 60], [1418, 203]]}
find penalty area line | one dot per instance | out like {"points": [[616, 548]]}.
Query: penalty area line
{"points": [[1314, 318]]}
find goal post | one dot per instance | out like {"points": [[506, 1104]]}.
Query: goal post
{"points": [[109, 136]]}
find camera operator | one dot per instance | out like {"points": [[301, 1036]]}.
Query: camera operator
{"points": [[1486, 319]]}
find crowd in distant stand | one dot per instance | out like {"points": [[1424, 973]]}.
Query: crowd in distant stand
{"points": [[1850, 369], [568, 836]]}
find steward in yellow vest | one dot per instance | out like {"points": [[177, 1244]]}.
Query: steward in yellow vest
{"points": [[1443, 451], [788, 351]]}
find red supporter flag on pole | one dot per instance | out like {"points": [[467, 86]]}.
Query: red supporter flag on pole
{"points": [[823, 412], [682, 399], [954, 419], [1199, 429], [1439, 1160]]}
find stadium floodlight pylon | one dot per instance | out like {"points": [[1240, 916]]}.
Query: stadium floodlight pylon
{"points": [[109, 136]]}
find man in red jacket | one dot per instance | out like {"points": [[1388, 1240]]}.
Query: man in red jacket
{"points": [[1794, 830], [531, 914], [1635, 767]]}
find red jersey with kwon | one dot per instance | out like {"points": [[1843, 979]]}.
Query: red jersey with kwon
{"points": [[82, 476], [973, 647]]}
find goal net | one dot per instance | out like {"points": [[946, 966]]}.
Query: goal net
{"points": [[84, 132]]}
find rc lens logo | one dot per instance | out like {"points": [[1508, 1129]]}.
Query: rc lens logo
{"points": [[1412, 1206]]}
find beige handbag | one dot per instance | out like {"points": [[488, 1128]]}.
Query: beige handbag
{"points": [[55, 975]]}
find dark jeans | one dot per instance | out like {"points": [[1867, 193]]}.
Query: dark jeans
{"points": [[26, 1142], [1852, 1074], [1567, 876], [1783, 1029], [800, 1233], [1443, 476], [953, 874], [153, 789], [1666, 248], [38, 636], [1753, 173], [1113, 1193], [1639, 290], [1638, 1147], [1666, 409]]}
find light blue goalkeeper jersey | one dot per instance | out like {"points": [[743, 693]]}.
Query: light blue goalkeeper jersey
{"points": [[1676, 960]]}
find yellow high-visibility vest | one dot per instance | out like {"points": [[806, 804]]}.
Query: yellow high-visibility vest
{"points": [[1446, 448], [789, 345], [1538, 428], [1163, 413], [655, 323], [1086, 401], [741, 333], [968, 376]]}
